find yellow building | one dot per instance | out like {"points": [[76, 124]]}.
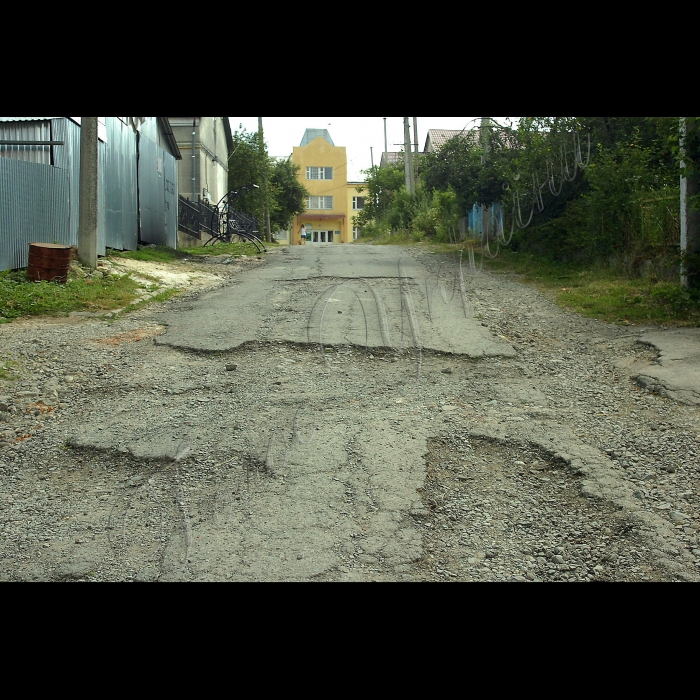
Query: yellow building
{"points": [[334, 201]]}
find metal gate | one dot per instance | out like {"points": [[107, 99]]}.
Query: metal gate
{"points": [[34, 208]]}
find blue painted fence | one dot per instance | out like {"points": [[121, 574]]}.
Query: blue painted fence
{"points": [[476, 218]]}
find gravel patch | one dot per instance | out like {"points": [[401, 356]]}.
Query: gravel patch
{"points": [[554, 465], [507, 513]]}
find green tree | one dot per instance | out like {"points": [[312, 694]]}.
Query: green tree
{"points": [[578, 188], [384, 185], [390, 209], [246, 164], [287, 194], [456, 166], [246, 168], [602, 188], [462, 166]]}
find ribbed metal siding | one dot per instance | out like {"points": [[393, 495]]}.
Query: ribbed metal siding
{"points": [[34, 208], [119, 181], [68, 158], [158, 193], [120, 186], [152, 226], [149, 128], [118, 191], [171, 201], [26, 131]]}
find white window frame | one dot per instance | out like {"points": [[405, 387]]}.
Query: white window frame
{"points": [[320, 203], [319, 173], [356, 201]]}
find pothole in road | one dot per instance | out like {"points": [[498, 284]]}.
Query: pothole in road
{"points": [[508, 513]]}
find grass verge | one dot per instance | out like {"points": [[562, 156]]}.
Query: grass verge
{"points": [[402, 237], [165, 295], [234, 250], [150, 254], [602, 293], [168, 255], [19, 297]]}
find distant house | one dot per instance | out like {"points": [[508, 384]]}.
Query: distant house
{"points": [[40, 177], [392, 160], [438, 138], [436, 141], [205, 143]]}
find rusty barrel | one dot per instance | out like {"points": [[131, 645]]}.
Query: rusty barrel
{"points": [[49, 262]]}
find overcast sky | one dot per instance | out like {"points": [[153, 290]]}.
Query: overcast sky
{"points": [[357, 134]]}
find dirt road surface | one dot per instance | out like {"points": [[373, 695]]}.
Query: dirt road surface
{"points": [[346, 413]]}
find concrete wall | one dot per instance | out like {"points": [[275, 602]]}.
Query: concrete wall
{"points": [[185, 241], [211, 157], [214, 158]]}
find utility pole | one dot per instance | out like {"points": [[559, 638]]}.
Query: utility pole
{"points": [[690, 216], [89, 186], [386, 138], [372, 151], [416, 162], [408, 157], [266, 179], [485, 140]]}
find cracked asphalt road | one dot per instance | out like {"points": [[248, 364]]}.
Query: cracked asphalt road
{"points": [[345, 413]]}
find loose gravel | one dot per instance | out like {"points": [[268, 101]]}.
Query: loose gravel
{"points": [[552, 466]]}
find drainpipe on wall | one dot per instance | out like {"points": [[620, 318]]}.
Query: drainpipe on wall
{"points": [[138, 185], [195, 191]]}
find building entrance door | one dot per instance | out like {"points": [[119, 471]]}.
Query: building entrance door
{"points": [[321, 237]]}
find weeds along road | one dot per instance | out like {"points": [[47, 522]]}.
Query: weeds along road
{"points": [[344, 414]]}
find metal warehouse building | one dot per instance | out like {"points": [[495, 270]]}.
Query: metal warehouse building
{"points": [[40, 176]]}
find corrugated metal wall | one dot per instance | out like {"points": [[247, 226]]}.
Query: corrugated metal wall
{"points": [[68, 158], [34, 203], [172, 199], [118, 207], [152, 225], [26, 131], [158, 195], [120, 172], [120, 186], [149, 128]]}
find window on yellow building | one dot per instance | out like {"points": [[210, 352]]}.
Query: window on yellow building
{"points": [[358, 203], [319, 173], [319, 203]]}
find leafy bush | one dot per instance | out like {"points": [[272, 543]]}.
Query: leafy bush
{"points": [[676, 300], [591, 190]]}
